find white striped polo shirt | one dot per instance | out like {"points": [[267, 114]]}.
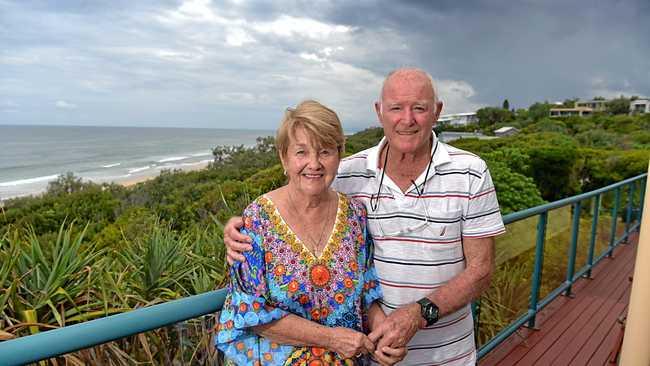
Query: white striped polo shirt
{"points": [[418, 240]]}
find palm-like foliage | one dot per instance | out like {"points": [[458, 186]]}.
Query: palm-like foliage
{"points": [[48, 282], [53, 275]]}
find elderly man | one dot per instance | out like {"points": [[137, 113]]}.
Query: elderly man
{"points": [[433, 214]]}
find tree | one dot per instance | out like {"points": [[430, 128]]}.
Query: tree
{"points": [[506, 104], [66, 184], [516, 192], [548, 125], [569, 103], [538, 111], [619, 105], [490, 115]]}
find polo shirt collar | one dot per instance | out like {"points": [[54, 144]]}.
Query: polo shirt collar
{"points": [[440, 154]]}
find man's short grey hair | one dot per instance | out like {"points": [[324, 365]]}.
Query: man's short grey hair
{"points": [[411, 69]]}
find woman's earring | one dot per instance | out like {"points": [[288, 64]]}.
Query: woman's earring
{"points": [[285, 172]]}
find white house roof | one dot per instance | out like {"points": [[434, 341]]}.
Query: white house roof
{"points": [[446, 117], [504, 129]]}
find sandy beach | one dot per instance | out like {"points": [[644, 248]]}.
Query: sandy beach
{"points": [[131, 181]]}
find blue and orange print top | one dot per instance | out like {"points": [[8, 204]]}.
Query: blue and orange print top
{"points": [[281, 276]]}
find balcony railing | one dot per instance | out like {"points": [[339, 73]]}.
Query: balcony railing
{"points": [[79, 336]]}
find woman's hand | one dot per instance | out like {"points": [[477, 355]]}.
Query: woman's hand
{"points": [[388, 356], [349, 343], [236, 242]]}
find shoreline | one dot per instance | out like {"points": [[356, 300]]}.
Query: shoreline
{"points": [[125, 182], [132, 181]]}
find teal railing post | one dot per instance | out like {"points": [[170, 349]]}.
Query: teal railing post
{"points": [[641, 198], [594, 234], [537, 272], [476, 314], [575, 229], [628, 213], [612, 237]]}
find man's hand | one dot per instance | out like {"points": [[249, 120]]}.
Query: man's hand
{"points": [[236, 242], [398, 328], [388, 356]]}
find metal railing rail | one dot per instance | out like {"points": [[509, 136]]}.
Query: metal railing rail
{"points": [[534, 304], [72, 338]]}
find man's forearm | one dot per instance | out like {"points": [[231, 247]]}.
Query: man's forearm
{"points": [[472, 282], [461, 290]]}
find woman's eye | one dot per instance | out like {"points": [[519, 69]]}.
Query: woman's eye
{"points": [[300, 152]]}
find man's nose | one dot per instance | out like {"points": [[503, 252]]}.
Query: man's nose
{"points": [[407, 115]]}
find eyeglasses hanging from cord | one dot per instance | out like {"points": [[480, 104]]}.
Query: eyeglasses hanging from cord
{"points": [[374, 199]]}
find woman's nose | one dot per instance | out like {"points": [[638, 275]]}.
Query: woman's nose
{"points": [[314, 161]]}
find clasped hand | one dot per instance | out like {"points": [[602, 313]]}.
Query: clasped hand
{"points": [[349, 343]]}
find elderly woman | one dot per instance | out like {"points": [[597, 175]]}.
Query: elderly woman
{"points": [[306, 294]]}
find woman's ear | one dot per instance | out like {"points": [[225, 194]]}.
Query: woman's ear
{"points": [[284, 167]]}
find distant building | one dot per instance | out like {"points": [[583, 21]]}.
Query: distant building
{"points": [[640, 106], [505, 131], [458, 119], [576, 111], [596, 105], [447, 136]]}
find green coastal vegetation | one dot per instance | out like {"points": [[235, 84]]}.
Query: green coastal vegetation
{"points": [[83, 250]]}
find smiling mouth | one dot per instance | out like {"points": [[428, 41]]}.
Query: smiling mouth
{"points": [[312, 176], [406, 133]]}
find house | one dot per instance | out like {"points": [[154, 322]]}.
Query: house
{"points": [[596, 105], [640, 106], [458, 119], [505, 131], [576, 111], [447, 136]]}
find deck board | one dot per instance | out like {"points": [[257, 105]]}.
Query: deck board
{"points": [[578, 331]]}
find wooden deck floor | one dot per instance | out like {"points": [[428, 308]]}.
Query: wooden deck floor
{"points": [[581, 330]]}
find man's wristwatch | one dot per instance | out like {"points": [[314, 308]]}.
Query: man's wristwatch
{"points": [[429, 311]]}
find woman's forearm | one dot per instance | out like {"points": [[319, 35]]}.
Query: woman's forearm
{"points": [[297, 331], [375, 315]]}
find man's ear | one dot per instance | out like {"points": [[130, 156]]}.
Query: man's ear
{"points": [[438, 108], [378, 111]]}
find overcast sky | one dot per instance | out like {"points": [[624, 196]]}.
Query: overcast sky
{"points": [[239, 64]]}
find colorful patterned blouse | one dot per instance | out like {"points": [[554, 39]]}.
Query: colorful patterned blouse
{"points": [[281, 276]]}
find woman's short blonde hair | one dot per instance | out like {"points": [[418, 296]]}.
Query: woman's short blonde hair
{"points": [[321, 124]]}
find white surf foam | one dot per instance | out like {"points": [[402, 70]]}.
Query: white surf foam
{"points": [[140, 169], [173, 158], [19, 182]]}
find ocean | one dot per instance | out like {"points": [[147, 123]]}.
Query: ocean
{"points": [[32, 156]]}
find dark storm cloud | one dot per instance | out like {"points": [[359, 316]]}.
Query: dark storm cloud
{"points": [[524, 50], [204, 63]]}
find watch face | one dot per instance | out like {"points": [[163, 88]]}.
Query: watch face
{"points": [[429, 311], [432, 313]]}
